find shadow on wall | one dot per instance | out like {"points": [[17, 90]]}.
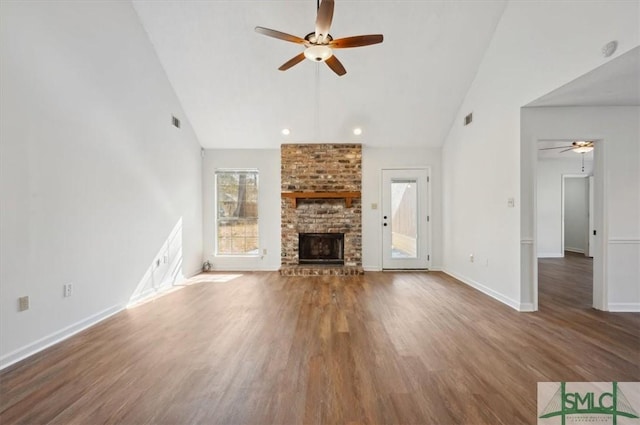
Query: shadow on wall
{"points": [[165, 269]]}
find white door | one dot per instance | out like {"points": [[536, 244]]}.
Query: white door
{"points": [[591, 239], [405, 219]]}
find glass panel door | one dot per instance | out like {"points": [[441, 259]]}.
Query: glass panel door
{"points": [[405, 219]]}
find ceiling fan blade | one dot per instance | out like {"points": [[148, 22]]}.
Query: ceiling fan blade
{"points": [[567, 150], [356, 41], [336, 66], [280, 35], [293, 61], [323, 20], [557, 147]]}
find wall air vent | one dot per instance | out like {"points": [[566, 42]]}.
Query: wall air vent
{"points": [[468, 119], [175, 122]]}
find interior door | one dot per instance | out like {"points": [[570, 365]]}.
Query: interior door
{"points": [[591, 239], [405, 219]]}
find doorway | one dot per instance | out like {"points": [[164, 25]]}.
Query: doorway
{"points": [[566, 193], [577, 214], [405, 219]]}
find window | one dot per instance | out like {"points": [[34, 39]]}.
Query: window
{"points": [[237, 212]]}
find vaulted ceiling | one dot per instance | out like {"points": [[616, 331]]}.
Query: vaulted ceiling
{"points": [[404, 92]]}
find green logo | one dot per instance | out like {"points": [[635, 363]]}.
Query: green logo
{"points": [[589, 399]]}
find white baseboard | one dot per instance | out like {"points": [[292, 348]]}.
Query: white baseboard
{"points": [[192, 273], [526, 307], [551, 255], [56, 337], [576, 250], [624, 307], [245, 269], [490, 292], [379, 269], [153, 292]]}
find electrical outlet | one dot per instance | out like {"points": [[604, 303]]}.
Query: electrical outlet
{"points": [[264, 251], [471, 258], [23, 303], [158, 262], [511, 202], [67, 289]]}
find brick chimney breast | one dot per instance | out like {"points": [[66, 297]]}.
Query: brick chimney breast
{"points": [[319, 170]]}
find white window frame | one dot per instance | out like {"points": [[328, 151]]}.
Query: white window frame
{"points": [[217, 211]]}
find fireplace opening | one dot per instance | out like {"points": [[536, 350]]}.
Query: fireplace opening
{"points": [[321, 248]]}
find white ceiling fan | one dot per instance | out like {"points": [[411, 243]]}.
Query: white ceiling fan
{"points": [[579, 146], [319, 44]]}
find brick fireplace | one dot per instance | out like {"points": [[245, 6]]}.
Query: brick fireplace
{"points": [[321, 186]]}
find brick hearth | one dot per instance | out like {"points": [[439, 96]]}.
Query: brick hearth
{"points": [[321, 169]]}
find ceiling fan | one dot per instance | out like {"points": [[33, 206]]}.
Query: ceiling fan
{"points": [[319, 44], [580, 146]]}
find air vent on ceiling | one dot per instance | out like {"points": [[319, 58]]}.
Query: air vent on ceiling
{"points": [[175, 122], [468, 119]]}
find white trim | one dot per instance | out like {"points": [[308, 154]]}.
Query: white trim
{"points": [[562, 202], [551, 255], [429, 229], [371, 268], [526, 307], [435, 269], [193, 273], [56, 337], [631, 241], [526, 241], [487, 291], [624, 307], [153, 293], [148, 294], [244, 268]]}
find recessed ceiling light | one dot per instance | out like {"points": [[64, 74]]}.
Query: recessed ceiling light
{"points": [[286, 131], [357, 131]]}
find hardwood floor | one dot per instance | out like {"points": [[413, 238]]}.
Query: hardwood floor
{"points": [[565, 282], [417, 348]]}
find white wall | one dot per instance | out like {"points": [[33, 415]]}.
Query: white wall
{"points": [[267, 162], [94, 180], [531, 53], [617, 171], [549, 201], [373, 161], [576, 214]]}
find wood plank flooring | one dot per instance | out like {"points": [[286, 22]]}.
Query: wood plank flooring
{"points": [[383, 348]]}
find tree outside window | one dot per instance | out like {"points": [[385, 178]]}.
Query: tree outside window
{"points": [[237, 212]]}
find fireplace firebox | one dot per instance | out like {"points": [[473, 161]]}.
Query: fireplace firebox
{"points": [[321, 248]]}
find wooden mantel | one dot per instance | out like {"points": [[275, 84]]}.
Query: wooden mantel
{"points": [[347, 196]]}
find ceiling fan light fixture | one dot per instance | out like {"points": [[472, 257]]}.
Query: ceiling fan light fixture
{"points": [[318, 53], [582, 146], [583, 149]]}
